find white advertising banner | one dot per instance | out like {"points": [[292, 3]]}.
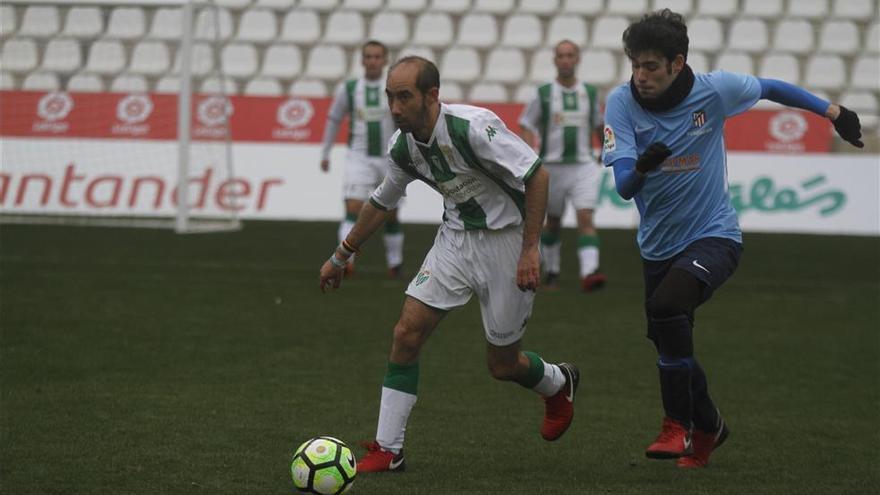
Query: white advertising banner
{"points": [[809, 193]]}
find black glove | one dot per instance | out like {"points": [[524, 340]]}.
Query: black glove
{"points": [[847, 125], [653, 157]]}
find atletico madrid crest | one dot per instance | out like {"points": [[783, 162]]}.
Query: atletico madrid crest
{"points": [[699, 118]]}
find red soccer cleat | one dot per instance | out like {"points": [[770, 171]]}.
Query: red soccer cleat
{"points": [[559, 408], [395, 272], [593, 282], [673, 441], [378, 459], [704, 444]]}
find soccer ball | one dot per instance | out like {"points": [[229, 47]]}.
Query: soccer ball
{"points": [[323, 466]]}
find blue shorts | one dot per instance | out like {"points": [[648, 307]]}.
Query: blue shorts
{"points": [[712, 260]]}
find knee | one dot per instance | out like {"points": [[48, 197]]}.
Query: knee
{"points": [[406, 339], [661, 305], [503, 371]]}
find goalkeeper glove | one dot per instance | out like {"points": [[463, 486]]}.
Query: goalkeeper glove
{"points": [[652, 157], [847, 125]]}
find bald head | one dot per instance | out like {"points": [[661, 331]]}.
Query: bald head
{"points": [[423, 70]]}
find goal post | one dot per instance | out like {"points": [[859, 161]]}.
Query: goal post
{"points": [[138, 133]]}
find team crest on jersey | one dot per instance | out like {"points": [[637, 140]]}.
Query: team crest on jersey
{"points": [[699, 118], [422, 277], [610, 143]]}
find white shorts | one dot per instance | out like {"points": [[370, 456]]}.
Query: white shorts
{"points": [[363, 174], [464, 262], [578, 183]]}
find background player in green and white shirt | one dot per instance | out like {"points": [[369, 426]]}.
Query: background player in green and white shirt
{"points": [[495, 193], [564, 116], [370, 125]]}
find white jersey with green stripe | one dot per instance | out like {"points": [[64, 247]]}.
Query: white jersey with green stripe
{"points": [[370, 123], [473, 160], [565, 118]]}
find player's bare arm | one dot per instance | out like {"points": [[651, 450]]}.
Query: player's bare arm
{"points": [[369, 220], [528, 271]]}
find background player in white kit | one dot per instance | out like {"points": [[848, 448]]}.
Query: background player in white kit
{"points": [[564, 116], [370, 126], [494, 193]]}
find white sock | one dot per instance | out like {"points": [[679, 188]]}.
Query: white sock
{"points": [[552, 382], [589, 256], [550, 255], [393, 415], [393, 248]]}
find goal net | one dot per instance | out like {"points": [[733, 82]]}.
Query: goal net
{"points": [[116, 113]]}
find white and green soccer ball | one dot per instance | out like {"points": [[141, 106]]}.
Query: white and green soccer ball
{"points": [[323, 466]]}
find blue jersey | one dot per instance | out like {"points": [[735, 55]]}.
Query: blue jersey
{"points": [[686, 197]]}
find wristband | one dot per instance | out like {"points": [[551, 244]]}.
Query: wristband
{"points": [[348, 248], [337, 262]]}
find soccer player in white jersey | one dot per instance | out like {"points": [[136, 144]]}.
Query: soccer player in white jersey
{"points": [[494, 194], [370, 126], [565, 116]]}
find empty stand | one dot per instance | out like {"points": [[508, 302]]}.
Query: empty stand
{"points": [[598, 67], [126, 23], [865, 104], [866, 73], [451, 92], [301, 26], [857, 10], [782, 66], [106, 57], [450, 6], [433, 29], [408, 6], [39, 21], [263, 86], [735, 62], [460, 64], [542, 68], [872, 38], [706, 33], [607, 32], [129, 83], [507, 65], [588, 8], [279, 5], [83, 22], [748, 35], [8, 21], [7, 81], [239, 60], [62, 55], [201, 60], [391, 28], [539, 7], [282, 61], [522, 31], [825, 72], [319, 5], [421, 51], [166, 24], [839, 37], [85, 82], [257, 26], [150, 58], [167, 84], [498, 7], [525, 93], [808, 9], [215, 84], [362, 5], [627, 7], [766, 9], [488, 92], [345, 28], [567, 27], [213, 24], [308, 87], [698, 61], [723, 9], [326, 62], [683, 7], [795, 36], [41, 81], [477, 30]]}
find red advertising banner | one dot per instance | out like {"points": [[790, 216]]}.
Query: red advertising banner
{"points": [[301, 120]]}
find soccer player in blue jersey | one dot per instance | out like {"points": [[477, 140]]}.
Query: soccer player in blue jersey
{"points": [[664, 140]]}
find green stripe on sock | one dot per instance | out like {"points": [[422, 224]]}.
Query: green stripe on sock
{"points": [[588, 240], [351, 217], [536, 371], [392, 227], [403, 377], [549, 238]]}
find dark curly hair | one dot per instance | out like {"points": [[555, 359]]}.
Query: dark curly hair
{"points": [[663, 31]]}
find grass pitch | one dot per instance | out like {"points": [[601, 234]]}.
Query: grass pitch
{"points": [[142, 362]]}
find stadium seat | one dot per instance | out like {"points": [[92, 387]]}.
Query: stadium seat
{"points": [[683, 7], [706, 33], [857, 10], [735, 62], [872, 38], [627, 7], [506, 65], [263, 86], [213, 24], [166, 24], [319, 5], [808, 9], [588, 8], [863, 103], [239, 60], [723, 9], [487, 92], [433, 29], [567, 27], [697, 60], [233, 4], [839, 37], [597, 67], [150, 58], [499, 7], [625, 68], [825, 72], [167, 84], [355, 67], [326, 62], [607, 32], [450, 6], [257, 26], [539, 7], [19, 55], [460, 64], [39, 21], [224, 86], [280, 5], [784, 66], [201, 60], [129, 83], [451, 92], [83, 22], [408, 6], [41, 81], [106, 57], [308, 88], [345, 28], [522, 31], [391, 28], [525, 93], [126, 23], [86, 83], [368, 6], [8, 22], [748, 35], [477, 30], [301, 26], [421, 51], [62, 55], [866, 73], [7, 81], [282, 61], [794, 36], [541, 68], [765, 9]]}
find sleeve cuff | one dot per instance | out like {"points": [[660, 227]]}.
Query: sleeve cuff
{"points": [[377, 205], [532, 169]]}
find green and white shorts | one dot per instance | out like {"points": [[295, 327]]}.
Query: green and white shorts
{"points": [[579, 183], [363, 174], [481, 262]]}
